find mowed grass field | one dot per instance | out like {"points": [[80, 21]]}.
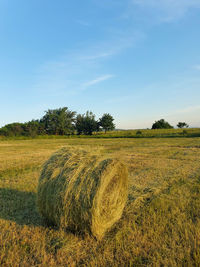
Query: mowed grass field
{"points": [[160, 225]]}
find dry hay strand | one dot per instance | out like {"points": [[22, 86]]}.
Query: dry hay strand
{"points": [[82, 192]]}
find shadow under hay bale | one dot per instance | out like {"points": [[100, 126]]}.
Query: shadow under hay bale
{"points": [[82, 192]]}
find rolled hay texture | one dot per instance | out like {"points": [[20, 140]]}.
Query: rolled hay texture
{"points": [[82, 192]]}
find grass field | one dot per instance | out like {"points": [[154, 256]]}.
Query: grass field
{"points": [[160, 225], [143, 133], [149, 133]]}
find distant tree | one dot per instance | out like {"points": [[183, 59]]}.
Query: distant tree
{"points": [[86, 123], [90, 123], [59, 121], [79, 125], [3, 131], [106, 122], [33, 128], [139, 132], [12, 129], [182, 125], [161, 124]]}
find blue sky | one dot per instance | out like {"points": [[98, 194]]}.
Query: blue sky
{"points": [[138, 60]]}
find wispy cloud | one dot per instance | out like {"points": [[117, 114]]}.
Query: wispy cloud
{"points": [[190, 114], [114, 46], [74, 70], [197, 67], [99, 55], [97, 80], [83, 22], [189, 109], [168, 3], [167, 10]]}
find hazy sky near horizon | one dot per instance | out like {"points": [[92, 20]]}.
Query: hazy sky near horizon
{"points": [[138, 60]]}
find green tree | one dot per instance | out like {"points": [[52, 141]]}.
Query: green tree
{"points": [[86, 123], [12, 129], [79, 124], [33, 128], [182, 125], [161, 124], [59, 121], [106, 122]]}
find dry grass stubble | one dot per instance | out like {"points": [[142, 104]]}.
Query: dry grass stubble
{"points": [[160, 225]]}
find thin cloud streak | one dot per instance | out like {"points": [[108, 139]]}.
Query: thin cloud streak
{"points": [[68, 74], [189, 114], [168, 3], [197, 67], [97, 80], [98, 55], [188, 109], [82, 22], [167, 10]]}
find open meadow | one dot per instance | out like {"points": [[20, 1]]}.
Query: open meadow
{"points": [[160, 225]]}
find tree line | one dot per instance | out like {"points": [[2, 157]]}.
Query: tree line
{"points": [[162, 124], [61, 121]]}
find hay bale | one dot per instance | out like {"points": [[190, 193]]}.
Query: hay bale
{"points": [[82, 192]]}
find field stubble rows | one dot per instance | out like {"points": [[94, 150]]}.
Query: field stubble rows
{"points": [[160, 225]]}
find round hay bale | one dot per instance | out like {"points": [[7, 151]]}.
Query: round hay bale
{"points": [[82, 192]]}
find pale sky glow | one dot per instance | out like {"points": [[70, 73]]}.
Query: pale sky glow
{"points": [[138, 60]]}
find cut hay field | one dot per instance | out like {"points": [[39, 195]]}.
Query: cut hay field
{"points": [[160, 225]]}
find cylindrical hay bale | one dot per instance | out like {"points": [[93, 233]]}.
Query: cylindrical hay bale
{"points": [[82, 192]]}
